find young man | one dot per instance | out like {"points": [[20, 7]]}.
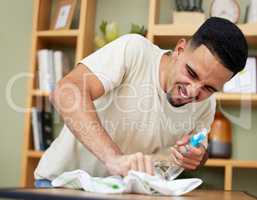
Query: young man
{"points": [[130, 102]]}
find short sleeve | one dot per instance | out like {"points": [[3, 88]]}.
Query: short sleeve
{"points": [[111, 62]]}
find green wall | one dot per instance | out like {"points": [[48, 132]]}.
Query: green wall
{"points": [[15, 40], [15, 43]]}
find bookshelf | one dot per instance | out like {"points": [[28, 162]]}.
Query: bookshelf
{"points": [[79, 39], [163, 34]]}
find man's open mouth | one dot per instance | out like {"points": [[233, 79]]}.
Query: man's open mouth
{"points": [[182, 92]]}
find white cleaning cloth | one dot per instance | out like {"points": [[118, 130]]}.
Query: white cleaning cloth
{"points": [[134, 182]]}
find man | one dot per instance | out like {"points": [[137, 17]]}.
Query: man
{"points": [[131, 103]]}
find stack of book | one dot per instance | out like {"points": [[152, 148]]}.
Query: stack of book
{"points": [[42, 124], [52, 66]]}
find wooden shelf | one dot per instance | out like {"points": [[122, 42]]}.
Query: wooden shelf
{"points": [[35, 154], [38, 92], [59, 37], [217, 162], [236, 99], [59, 33], [250, 32], [231, 163], [189, 29], [244, 163], [170, 33]]}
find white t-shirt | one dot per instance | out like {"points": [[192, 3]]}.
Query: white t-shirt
{"points": [[134, 109]]}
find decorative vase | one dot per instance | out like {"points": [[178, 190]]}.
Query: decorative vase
{"points": [[220, 137]]}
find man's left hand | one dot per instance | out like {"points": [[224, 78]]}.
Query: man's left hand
{"points": [[189, 159]]}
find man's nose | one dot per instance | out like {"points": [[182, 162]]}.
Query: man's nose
{"points": [[194, 90]]}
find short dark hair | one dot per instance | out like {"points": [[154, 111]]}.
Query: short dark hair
{"points": [[225, 41]]}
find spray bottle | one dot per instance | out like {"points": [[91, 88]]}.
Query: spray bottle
{"points": [[194, 142]]}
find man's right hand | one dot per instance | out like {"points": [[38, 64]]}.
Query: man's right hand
{"points": [[121, 164]]}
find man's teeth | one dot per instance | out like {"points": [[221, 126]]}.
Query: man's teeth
{"points": [[182, 94]]}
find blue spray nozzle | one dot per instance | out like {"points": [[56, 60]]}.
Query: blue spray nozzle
{"points": [[197, 139]]}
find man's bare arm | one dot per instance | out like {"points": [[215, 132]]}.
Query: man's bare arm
{"points": [[73, 99]]}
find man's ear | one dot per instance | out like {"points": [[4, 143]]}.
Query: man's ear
{"points": [[180, 47]]}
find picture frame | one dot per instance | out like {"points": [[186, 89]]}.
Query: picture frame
{"points": [[63, 14]]}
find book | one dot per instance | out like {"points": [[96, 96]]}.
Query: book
{"points": [[36, 129], [245, 81], [42, 123], [36, 114], [58, 64], [47, 123], [46, 70]]}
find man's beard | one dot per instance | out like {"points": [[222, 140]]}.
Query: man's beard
{"points": [[171, 100]]}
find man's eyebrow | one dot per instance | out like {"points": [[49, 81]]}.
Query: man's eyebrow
{"points": [[192, 72], [212, 88]]}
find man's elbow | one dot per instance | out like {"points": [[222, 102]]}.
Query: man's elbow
{"points": [[59, 94], [53, 94]]}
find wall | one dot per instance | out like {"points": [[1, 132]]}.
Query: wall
{"points": [[15, 40]]}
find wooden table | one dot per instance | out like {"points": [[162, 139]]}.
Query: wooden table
{"points": [[64, 194]]}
